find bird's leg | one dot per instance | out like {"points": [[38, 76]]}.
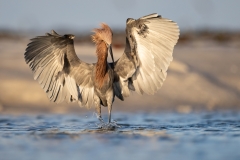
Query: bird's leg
{"points": [[98, 108], [109, 112], [110, 99]]}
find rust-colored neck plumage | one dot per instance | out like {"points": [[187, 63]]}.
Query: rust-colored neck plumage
{"points": [[102, 38], [101, 66]]}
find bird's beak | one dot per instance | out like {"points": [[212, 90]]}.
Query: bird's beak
{"points": [[110, 51]]}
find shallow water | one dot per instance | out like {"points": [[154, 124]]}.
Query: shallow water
{"points": [[198, 136]]}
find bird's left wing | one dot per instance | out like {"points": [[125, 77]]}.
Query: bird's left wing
{"points": [[149, 45], [62, 75]]}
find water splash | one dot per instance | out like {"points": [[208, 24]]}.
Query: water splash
{"points": [[108, 126]]}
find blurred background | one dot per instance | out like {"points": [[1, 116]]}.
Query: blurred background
{"points": [[204, 75]]}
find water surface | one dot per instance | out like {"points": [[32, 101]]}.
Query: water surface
{"points": [[198, 136]]}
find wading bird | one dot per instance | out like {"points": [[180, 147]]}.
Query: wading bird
{"points": [[142, 67]]}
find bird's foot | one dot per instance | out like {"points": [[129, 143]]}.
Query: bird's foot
{"points": [[100, 119], [108, 126]]}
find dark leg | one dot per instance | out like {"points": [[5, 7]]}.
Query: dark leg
{"points": [[109, 113], [110, 99], [98, 109]]}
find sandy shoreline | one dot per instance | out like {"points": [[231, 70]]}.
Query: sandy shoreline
{"points": [[203, 75]]}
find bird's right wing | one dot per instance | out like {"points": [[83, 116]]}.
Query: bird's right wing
{"points": [[149, 45], [61, 74]]}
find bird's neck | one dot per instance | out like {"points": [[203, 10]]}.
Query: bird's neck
{"points": [[101, 66]]}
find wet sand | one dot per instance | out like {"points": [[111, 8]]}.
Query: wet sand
{"points": [[203, 76]]}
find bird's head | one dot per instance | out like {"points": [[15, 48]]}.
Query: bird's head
{"points": [[103, 34]]}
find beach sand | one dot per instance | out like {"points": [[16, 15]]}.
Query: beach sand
{"points": [[204, 75]]}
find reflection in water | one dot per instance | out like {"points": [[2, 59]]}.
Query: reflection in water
{"points": [[214, 135]]}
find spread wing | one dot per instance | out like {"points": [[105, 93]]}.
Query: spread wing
{"points": [[148, 52], [62, 75]]}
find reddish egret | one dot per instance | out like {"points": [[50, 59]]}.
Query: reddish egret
{"points": [[142, 67]]}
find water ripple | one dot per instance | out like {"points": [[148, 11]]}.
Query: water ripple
{"points": [[130, 136]]}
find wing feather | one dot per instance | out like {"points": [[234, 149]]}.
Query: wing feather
{"points": [[149, 46], [56, 67]]}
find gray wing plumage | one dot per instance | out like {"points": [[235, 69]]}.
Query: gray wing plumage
{"points": [[62, 75], [149, 46]]}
